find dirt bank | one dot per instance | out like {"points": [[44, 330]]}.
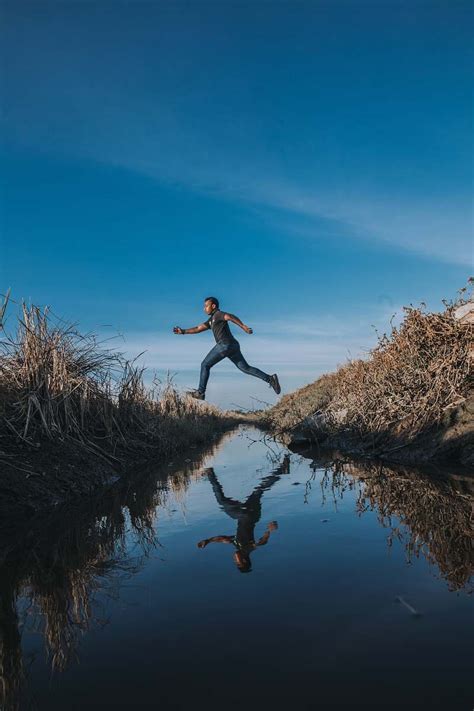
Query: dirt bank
{"points": [[55, 474]]}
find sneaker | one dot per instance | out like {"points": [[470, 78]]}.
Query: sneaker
{"points": [[196, 394], [275, 384]]}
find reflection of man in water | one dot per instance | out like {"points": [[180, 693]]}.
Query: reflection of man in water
{"points": [[247, 515]]}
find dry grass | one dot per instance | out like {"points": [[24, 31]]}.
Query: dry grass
{"points": [[293, 409], [413, 379], [59, 385]]}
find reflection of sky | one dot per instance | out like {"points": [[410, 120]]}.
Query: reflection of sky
{"points": [[309, 164]]}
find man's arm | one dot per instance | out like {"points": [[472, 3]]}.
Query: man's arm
{"points": [[215, 539], [195, 329], [272, 526], [238, 322]]}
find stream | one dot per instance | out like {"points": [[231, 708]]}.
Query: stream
{"points": [[244, 576]]}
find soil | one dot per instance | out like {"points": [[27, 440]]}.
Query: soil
{"points": [[449, 444]]}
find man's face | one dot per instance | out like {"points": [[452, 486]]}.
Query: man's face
{"points": [[209, 307], [242, 562]]}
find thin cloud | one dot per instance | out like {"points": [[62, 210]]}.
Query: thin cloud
{"points": [[175, 140], [424, 227], [427, 227], [294, 347]]}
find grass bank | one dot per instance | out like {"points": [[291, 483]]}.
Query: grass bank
{"points": [[411, 399], [73, 413]]}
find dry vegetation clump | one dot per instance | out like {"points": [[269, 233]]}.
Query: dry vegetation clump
{"points": [[413, 378], [56, 384], [11, 657], [293, 409], [412, 382], [59, 385]]}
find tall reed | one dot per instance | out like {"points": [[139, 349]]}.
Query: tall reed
{"points": [[60, 385]]}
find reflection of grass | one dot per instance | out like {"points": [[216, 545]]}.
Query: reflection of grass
{"points": [[64, 568], [433, 519], [11, 662]]}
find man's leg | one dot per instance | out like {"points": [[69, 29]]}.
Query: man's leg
{"points": [[237, 358], [215, 355], [233, 508]]}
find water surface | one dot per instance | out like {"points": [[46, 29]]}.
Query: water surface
{"points": [[244, 577]]}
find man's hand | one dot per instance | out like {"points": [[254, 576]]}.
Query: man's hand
{"points": [[247, 329], [272, 526], [179, 330], [203, 544]]}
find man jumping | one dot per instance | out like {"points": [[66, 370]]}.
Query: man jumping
{"points": [[226, 347]]}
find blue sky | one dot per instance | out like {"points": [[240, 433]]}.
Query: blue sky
{"points": [[308, 163]]}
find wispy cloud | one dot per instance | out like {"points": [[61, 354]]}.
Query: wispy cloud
{"points": [[166, 148], [425, 226], [240, 151], [295, 347], [299, 349], [298, 360], [320, 327]]}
